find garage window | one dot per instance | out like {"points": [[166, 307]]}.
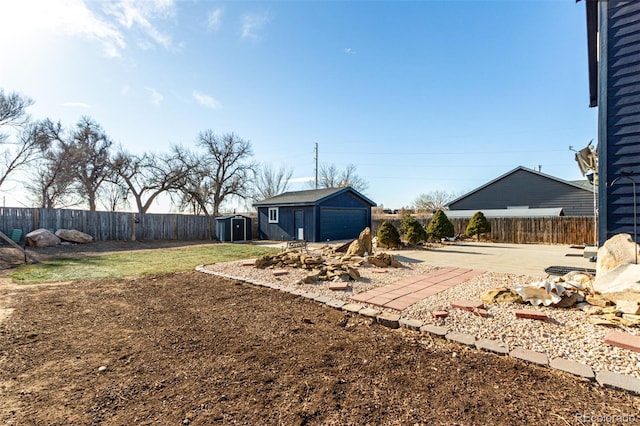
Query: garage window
{"points": [[273, 215]]}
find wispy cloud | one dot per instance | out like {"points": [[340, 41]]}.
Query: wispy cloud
{"points": [[143, 15], [76, 105], [252, 24], [110, 23], [206, 100], [145, 45], [125, 90], [71, 17], [214, 19], [156, 97], [349, 51]]}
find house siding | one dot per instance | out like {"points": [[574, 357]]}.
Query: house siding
{"points": [[525, 188], [284, 229], [619, 115]]}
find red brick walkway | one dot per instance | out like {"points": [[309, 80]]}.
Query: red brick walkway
{"points": [[406, 292]]}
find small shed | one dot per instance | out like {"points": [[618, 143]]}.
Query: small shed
{"points": [[233, 228], [327, 214]]}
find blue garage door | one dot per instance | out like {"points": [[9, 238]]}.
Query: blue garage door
{"points": [[341, 224]]}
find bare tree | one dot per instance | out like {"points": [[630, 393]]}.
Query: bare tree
{"points": [[270, 182], [149, 175], [434, 200], [114, 195], [52, 179], [19, 137], [13, 109], [196, 195], [225, 171], [329, 176], [89, 150]]}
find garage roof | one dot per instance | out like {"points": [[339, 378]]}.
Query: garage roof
{"points": [[308, 197]]}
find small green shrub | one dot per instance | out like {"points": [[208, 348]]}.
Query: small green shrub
{"points": [[440, 226], [478, 225], [407, 220], [412, 230], [388, 235]]}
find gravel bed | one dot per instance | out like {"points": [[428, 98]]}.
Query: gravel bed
{"points": [[566, 334]]}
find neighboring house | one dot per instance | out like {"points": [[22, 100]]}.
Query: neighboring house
{"points": [[613, 40], [523, 188], [233, 228], [314, 215]]}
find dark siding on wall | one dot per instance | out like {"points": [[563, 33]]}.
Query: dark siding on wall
{"points": [[284, 230], [524, 188], [622, 116]]}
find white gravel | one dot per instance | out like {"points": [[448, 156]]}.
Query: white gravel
{"points": [[567, 334]]}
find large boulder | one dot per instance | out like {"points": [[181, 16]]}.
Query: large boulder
{"points": [[41, 238], [616, 269], [623, 278], [362, 245], [617, 250], [74, 236]]}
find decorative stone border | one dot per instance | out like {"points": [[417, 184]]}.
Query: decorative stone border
{"points": [[604, 378]]}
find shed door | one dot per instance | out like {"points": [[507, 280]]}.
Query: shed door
{"points": [[298, 224], [220, 231], [237, 228], [341, 224]]}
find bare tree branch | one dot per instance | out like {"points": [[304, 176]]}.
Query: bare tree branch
{"points": [[149, 175], [13, 108], [89, 152], [330, 177], [270, 182], [22, 144], [225, 171], [434, 200]]}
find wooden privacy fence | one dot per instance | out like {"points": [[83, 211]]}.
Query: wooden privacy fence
{"points": [[542, 230], [103, 226]]}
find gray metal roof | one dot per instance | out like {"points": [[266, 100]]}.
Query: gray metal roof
{"points": [[232, 216], [489, 213], [308, 197]]}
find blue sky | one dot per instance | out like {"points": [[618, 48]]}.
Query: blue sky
{"points": [[420, 95]]}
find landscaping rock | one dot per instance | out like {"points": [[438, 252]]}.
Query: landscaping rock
{"points": [[628, 307], [74, 236], [599, 301], [362, 245], [41, 238], [312, 278], [501, 295], [622, 278], [617, 250], [384, 260]]}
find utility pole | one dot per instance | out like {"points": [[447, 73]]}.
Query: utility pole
{"points": [[316, 161]]}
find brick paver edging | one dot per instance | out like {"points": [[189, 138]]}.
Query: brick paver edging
{"points": [[603, 378]]}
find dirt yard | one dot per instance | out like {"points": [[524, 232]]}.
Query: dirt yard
{"points": [[192, 348]]}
